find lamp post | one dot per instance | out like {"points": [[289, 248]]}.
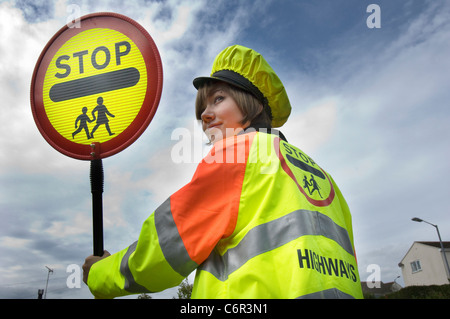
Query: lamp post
{"points": [[46, 285], [419, 220]]}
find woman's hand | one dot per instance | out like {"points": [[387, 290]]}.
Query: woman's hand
{"points": [[89, 261]]}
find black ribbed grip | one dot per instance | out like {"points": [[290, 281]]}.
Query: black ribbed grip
{"points": [[97, 205], [97, 176]]}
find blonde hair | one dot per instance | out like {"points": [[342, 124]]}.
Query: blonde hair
{"points": [[251, 108]]}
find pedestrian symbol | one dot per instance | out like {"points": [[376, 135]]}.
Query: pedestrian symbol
{"points": [[102, 118], [312, 182], [83, 119]]}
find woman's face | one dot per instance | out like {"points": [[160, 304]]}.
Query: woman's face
{"points": [[222, 117]]}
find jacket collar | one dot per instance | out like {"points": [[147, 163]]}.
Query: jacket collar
{"points": [[260, 128]]}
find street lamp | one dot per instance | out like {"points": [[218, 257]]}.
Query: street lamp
{"points": [[46, 286], [419, 220]]}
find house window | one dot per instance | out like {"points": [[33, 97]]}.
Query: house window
{"points": [[415, 266]]}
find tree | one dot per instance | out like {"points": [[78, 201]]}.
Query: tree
{"points": [[144, 296], [184, 290]]}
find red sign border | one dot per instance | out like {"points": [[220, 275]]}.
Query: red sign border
{"points": [[152, 59]]}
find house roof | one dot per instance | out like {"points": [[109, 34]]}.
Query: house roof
{"points": [[436, 243], [428, 243]]}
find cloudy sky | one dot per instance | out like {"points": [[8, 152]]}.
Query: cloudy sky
{"points": [[370, 105]]}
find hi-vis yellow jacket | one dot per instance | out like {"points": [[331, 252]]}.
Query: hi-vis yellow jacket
{"points": [[259, 219]]}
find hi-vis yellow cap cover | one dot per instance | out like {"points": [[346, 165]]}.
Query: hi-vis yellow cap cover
{"points": [[97, 83]]}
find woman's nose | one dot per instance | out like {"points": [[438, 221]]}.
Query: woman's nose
{"points": [[207, 116]]}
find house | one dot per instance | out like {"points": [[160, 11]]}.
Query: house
{"points": [[424, 264]]}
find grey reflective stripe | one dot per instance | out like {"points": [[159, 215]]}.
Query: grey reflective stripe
{"points": [[274, 234], [332, 293], [170, 241], [130, 284], [171, 245]]}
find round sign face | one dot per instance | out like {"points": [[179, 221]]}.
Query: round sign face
{"points": [[96, 86], [312, 181]]}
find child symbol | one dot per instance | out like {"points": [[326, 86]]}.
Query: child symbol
{"points": [[102, 116], [83, 119], [312, 182], [315, 186]]}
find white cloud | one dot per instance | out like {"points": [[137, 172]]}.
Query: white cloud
{"points": [[78, 225], [314, 127], [180, 21], [23, 147], [12, 242]]}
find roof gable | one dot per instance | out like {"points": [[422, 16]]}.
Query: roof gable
{"points": [[436, 243], [427, 243]]}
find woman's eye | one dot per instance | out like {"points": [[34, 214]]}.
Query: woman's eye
{"points": [[218, 99]]}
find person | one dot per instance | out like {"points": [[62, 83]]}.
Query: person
{"points": [[102, 116], [83, 119], [244, 223]]}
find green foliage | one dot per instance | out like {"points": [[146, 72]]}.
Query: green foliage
{"points": [[184, 290], [421, 292]]}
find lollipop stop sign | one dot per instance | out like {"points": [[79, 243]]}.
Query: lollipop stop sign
{"points": [[94, 91]]}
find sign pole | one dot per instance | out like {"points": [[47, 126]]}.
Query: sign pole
{"points": [[81, 89], [97, 204]]}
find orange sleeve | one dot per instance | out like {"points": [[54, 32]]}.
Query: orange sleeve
{"points": [[206, 209]]}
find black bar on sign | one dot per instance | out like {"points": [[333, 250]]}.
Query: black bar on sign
{"points": [[305, 166], [95, 84]]}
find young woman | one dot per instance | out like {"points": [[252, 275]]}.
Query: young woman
{"points": [[244, 222]]}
